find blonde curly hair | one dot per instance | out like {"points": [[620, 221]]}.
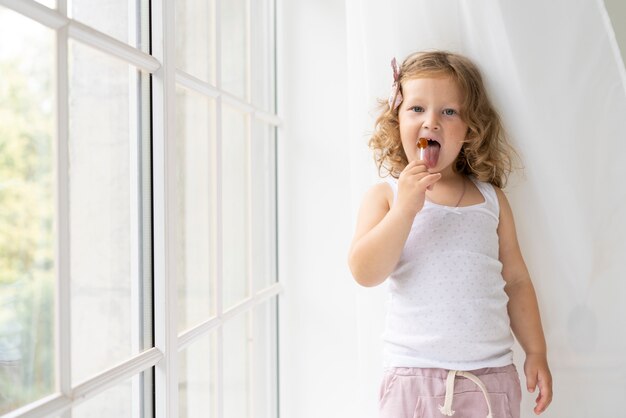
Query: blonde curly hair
{"points": [[486, 153]]}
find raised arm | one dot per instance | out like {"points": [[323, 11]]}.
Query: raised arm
{"points": [[381, 231], [523, 308], [378, 239]]}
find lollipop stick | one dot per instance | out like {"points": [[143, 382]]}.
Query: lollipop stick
{"points": [[422, 144]]}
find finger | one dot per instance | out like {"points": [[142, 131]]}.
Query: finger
{"points": [[430, 179], [542, 403], [416, 163], [545, 396], [417, 171], [543, 400], [531, 381], [410, 166], [420, 161], [539, 403]]}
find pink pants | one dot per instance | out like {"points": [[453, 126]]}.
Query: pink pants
{"points": [[409, 392]]}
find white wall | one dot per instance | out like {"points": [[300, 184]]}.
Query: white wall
{"points": [[317, 329]]}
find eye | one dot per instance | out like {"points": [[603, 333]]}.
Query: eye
{"points": [[449, 112], [417, 108]]}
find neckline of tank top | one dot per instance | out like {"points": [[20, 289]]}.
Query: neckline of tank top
{"points": [[458, 209]]}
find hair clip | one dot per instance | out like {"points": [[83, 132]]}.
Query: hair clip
{"points": [[395, 97]]}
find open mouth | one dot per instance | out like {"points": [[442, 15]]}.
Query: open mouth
{"points": [[431, 152]]}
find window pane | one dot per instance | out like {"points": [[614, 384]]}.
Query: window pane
{"points": [[119, 401], [263, 205], [235, 204], [262, 54], [106, 280], [117, 18], [195, 38], [27, 211], [195, 155], [264, 360], [48, 3], [236, 367], [198, 378], [234, 47]]}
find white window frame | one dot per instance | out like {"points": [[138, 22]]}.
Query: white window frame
{"points": [[168, 342]]}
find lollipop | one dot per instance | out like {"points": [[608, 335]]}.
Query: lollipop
{"points": [[422, 144]]}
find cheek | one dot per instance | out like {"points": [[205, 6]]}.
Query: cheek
{"points": [[454, 148], [408, 146], [405, 133], [457, 145], [463, 130], [408, 126]]}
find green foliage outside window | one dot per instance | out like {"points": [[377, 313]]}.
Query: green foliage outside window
{"points": [[26, 233]]}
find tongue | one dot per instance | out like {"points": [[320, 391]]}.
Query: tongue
{"points": [[431, 155]]}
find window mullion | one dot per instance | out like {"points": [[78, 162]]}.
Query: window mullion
{"points": [[165, 222], [219, 257], [112, 46], [62, 256], [136, 215], [40, 13], [219, 282]]}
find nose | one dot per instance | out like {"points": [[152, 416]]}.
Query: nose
{"points": [[431, 121]]}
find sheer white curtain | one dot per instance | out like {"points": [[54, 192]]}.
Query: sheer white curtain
{"points": [[554, 72]]}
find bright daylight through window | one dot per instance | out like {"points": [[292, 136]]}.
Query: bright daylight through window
{"points": [[138, 269]]}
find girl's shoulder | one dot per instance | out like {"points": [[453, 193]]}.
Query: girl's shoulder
{"points": [[378, 198], [490, 189], [485, 187], [382, 192], [493, 195], [500, 196], [374, 206]]}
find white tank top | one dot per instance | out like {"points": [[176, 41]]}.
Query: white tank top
{"points": [[447, 307]]}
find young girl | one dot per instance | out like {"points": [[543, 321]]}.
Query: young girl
{"points": [[442, 231]]}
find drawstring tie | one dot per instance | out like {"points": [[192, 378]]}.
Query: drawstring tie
{"points": [[446, 409]]}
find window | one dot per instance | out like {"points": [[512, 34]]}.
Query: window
{"points": [[138, 232]]}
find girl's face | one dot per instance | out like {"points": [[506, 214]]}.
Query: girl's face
{"points": [[431, 109]]}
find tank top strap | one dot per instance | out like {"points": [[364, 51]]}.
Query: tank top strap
{"points": [[489, 193]]}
